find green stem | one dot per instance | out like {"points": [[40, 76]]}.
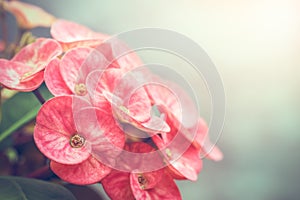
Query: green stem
{"points": [[27, 117]]}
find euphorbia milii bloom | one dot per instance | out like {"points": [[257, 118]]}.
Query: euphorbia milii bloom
{"points": [[181, 112], [138, 184], [25, 71], [119, 55], [71, 34], [182, 158], [68, 75], [129, 104], [77, 139], [27, 15]]}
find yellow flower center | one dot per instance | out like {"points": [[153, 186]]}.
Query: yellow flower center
{"points": [[77, 141], [80, 89]]}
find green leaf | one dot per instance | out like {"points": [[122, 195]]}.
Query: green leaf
{"points": [[17, 188], [19, 110]]}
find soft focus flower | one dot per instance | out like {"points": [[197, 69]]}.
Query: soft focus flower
{"points": [[182, 158], [76, 138], [24, 72], [119, 55], [71, 34], [138, 184], [129, 104], [68, 75], [28, 16]]}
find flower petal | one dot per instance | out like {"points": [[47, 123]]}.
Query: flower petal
{"points": [[139, 157], [107, 139], [181, 157], [54, 129], [188, 165], [54, 80], [119, 54], [117, 185], [38, 54], [77, 63], [147, 180], [88, 172], [166, 188], [11, 76], [71, 34]]}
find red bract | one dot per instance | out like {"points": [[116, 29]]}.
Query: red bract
{"points": [[27, 15], [68, 75], [138, 184], [71, 34], [76, 138], [25, 71], [130, 104]]}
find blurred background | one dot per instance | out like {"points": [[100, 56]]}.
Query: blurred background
{"points": [[255, 46]]}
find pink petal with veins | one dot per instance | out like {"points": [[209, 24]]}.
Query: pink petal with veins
{"points": [[188, 166], [130, 104], [182, 157], [109, 143], [119, 54], [88, 172], [77, 63], [170, 95], [71, 34], [54, 81], [11, 76], [165, 189], [117, 185], [24, 71], [38, 54], [54, 129]]}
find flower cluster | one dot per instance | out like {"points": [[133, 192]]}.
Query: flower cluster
{"points": [[104, 124]]}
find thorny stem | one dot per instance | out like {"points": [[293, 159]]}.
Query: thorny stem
{"points": [[39, 96]]}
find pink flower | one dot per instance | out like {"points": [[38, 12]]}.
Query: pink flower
{"points": [[71, 34], [138, 184], [119, 54], [182, 158], [25, 71], [68, 75], [28, 16], [186, 128], [82, 142], [129, 104]]}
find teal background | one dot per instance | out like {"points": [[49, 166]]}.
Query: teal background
{"points": [[255, 47]]}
